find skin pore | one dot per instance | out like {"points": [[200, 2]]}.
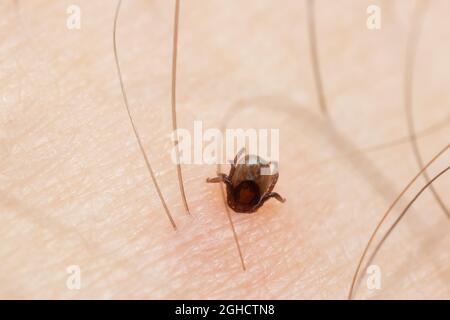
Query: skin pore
{"points": [[75, 190]]}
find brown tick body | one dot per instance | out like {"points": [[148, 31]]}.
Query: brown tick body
{"points": [[247, 188]]}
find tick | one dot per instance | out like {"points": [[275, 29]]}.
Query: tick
{"points": [[247, 187]]}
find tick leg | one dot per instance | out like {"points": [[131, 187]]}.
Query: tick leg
{"points": [[221, 177], [273, 195], [238, 155], [234, 163]]}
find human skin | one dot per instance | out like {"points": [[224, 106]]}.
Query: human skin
{"points": [[74, 188]]}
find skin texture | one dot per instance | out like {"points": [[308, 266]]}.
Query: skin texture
{"points": [[74, 189]]}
